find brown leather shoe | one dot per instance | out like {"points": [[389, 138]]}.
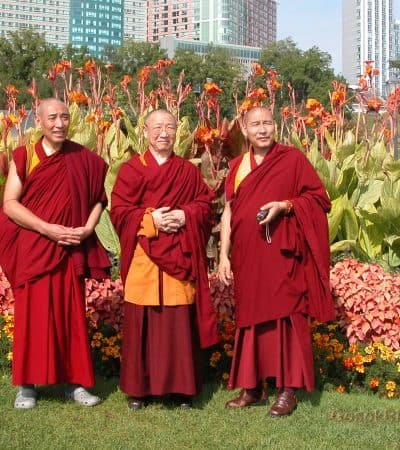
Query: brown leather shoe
{"points": [[285, 404], [248, 397], [136, 403]]}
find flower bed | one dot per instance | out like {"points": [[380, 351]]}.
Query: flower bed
{"points": [[359, 351]]}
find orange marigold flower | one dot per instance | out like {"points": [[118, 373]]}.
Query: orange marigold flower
{"points": [[225, 376], [341, 389], [216, 356], [353, 348], [348, 363], [374, 383], [212, 89]]}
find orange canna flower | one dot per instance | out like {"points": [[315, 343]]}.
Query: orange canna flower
{"points": [[11, 90], [144, 73], [212, 89], [78, 97], [163, 63], [22, 112], [375, 72], [125, 81], [90, 66], [257, 94], [374, 104], [362, 84], [107, 99], [245, 106], [65, 64], [257, 69], [81, 71]]}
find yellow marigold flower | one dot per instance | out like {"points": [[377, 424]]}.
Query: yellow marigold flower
{"points": [[391, 386], [9, 356], [331, 327], [398, 367], [390, 394], [329, 357], [369, 350], [368, 358], [360, 369], [97, 335], [397, 354]]}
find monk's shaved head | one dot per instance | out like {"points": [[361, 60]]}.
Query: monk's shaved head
{"points": [[156, 113], [48, 102], [249, 114]]}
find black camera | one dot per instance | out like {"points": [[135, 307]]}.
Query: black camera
{"points": [[262, 214]]}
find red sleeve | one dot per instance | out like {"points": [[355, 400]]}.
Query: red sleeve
{"points": [[19, 157]]}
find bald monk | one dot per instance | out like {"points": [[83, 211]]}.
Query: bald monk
{"points": [[53, 199], [274, 244], [161, 209]]}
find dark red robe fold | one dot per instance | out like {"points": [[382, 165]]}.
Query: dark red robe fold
{"points": [[178, 184], [50, 334], [278, 284]]}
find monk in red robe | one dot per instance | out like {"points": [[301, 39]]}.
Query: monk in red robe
{"points": [[161, 209], [275, 221], [53, 199]]}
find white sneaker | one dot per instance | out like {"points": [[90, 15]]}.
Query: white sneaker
{"points": [[25, 399], [81, 396]]}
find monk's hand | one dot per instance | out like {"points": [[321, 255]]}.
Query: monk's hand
{"points": [[224, 271], [159, 217], [274, 209], [60, 234], [81, 233], [174, 220]]}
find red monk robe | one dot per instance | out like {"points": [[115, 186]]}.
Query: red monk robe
{"points": [[50, 333], [160, 351], [278, 284]]}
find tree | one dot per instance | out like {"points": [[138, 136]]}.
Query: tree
{"points": [[217, 65], [25, 55], [309, 72]]}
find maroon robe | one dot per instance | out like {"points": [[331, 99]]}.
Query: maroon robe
{"points": [[142, 184], [50, 334], [281, 283]]}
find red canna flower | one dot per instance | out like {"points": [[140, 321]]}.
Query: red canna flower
{"points": [[212, 89]]}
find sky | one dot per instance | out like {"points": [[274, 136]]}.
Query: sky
{"points": [[316, 23]]}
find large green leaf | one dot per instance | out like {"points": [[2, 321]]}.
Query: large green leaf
{"points": [[370, 193], [349, 223], [342, 246], [347, 148], [107, 235], [335, 217]]}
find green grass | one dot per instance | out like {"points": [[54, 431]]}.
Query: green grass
{"points": [[326, 420]]}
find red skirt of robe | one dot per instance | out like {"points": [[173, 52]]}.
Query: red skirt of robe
{"points": [[279, 348], [160, 351], [51, 342]]}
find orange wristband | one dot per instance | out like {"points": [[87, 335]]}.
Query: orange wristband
{"points": [[289, 207]]}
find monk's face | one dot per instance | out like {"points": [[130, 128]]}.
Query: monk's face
{"points": [[160, 131], [259, 128], [53, 118]]}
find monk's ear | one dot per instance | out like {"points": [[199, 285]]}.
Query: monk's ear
{"points": [[242, 125], [38, 122], [145, 131]]}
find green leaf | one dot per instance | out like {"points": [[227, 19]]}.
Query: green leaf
{"points": [[342, 246], [370, 193], [107, 235], [335, 217]]}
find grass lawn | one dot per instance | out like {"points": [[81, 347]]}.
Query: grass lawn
{"points": [[326, 420]]}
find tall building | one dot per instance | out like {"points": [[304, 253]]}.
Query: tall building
{"points": [[367, 36], [96, 23], [135, 19], [50, 17], [236, 22]]}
